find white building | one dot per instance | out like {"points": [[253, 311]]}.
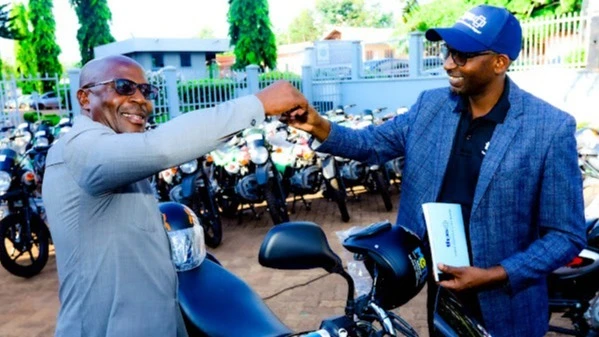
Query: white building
{"points": [[190, 56]]}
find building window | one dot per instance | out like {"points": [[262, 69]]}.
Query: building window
{"points": [[157, 60], [389, 53], [185, 59], [369, 55]]}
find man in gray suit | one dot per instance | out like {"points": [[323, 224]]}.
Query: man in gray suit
{"points": [[112, 252], [506, 156]]}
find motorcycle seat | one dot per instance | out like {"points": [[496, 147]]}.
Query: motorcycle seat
{"points": [[215, 302]]}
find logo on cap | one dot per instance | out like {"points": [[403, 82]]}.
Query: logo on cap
{"points": [[473, 21]]}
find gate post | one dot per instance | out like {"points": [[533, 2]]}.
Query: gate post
{"points": [[73, 87], [172, 95]]}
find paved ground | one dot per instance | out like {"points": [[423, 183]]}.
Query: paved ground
{"points": [[29, 306]]}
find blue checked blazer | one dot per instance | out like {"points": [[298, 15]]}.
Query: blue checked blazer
{"points": [[527, 214]]}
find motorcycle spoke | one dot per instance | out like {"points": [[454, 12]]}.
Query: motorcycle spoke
{"points": [[14, 258], [31, 256]]}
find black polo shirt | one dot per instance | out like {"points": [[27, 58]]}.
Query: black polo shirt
{"points": [[470, 144]]}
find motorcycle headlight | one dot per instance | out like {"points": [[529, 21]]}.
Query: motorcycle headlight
{"points": [[4, 182], [189, 167], [42, 142], [259, 155]]}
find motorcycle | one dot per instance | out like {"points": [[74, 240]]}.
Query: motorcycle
{"points": [[392, 255], [297, 163], [354, 173], [24, 237], [41, 143], [268, 179], [574, 289], [231, 163], [197, 190]]}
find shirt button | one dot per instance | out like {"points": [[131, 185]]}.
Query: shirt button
{"points": [[253, 122], [468, 137]]}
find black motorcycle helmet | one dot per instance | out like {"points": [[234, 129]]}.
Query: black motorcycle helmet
{"points": [[395, 257], [185, 234]]}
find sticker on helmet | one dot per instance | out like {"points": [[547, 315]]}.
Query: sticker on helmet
{"points": [[419, 264]]}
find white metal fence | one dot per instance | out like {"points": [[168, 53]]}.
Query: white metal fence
{"points": [[26, 94], [561, 41], [204, 93], [554, 41]]}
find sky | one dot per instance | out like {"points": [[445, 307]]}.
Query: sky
{"points": [[163, 19]]}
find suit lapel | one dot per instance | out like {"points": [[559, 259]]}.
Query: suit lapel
{"points": [[445, 136], [500, 141]]}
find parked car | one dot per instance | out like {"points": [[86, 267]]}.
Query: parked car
{"points": [[22, 102], [387, 67], [48, 100], [391, 67]]}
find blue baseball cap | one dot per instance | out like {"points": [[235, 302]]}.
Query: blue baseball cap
{"points": [[480, 29]]}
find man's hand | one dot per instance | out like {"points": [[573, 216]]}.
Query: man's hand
{"points": [[310, 121], [281, 97], [465, 278]]}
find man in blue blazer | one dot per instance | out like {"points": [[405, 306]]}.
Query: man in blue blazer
{"points": [[507, 157]]}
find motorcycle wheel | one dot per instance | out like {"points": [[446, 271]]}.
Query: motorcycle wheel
{"points": [[13, 254], [383, 188], [275, 200], [337, 187], [208, 212]]}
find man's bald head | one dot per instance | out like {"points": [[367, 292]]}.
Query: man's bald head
{"points": [[105, 68]]}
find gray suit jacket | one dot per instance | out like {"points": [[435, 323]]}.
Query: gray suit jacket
{"points": [[527, 213], [115, 272]]}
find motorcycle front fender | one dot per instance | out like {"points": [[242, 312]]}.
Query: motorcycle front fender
{"points": [[188, 185], [263, 173], [215, 302], [328, 168]]}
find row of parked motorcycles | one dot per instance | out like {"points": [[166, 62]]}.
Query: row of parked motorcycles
{"points": [[267, 164], [24, 235]]}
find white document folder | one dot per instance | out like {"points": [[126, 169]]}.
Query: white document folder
{"points": [[446, 235]]}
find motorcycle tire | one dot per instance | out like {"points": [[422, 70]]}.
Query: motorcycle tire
{"points": [[40, 241], [337, 190], [275, 200], [213, 229], [382, 186]]}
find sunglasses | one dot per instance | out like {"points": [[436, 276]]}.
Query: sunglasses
{"points": [[127, 87], [460, 58]]}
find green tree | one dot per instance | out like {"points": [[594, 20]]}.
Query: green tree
{"points": [[251, 34], [353, 13], [7, 30], [25, 54], [303, 28], [93, 31], [44, 39], [422, 17]]}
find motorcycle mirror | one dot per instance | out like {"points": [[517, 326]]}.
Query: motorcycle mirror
{"points": [[298, 245]]}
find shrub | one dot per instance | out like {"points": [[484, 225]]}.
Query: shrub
{"points": [[199, 94], [32, 117], [270, 77]]}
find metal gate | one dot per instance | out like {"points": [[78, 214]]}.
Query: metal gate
{"points": [[25, 94]]}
